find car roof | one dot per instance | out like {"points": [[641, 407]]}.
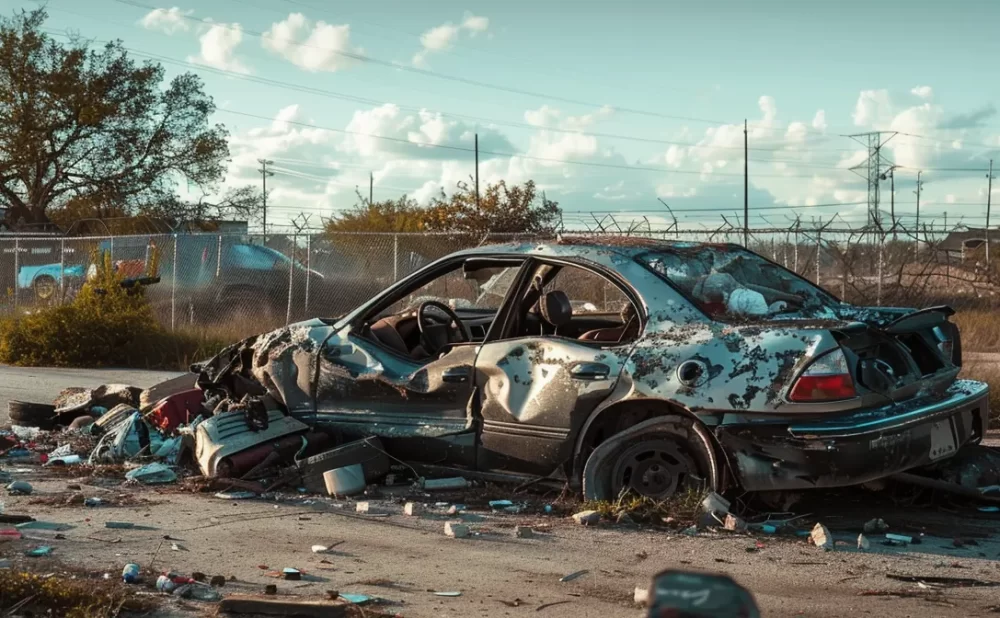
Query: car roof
{"points": [[595, 246]]}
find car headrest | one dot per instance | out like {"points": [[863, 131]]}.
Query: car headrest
{"points": [[556, 308]]}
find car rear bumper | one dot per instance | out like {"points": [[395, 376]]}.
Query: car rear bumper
{"points": [[859, 447]]}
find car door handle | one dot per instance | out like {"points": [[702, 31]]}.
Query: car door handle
{"points": [[455, 375], [590, 371]]}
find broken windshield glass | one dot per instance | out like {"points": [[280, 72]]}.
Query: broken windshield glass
{"points": [[730, 282]]}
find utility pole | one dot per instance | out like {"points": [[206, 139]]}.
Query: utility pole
{"points": [[477, 170], [264, 173], [919, 185], [371, 187], [989, 195], [746, 189], [872, 169]]}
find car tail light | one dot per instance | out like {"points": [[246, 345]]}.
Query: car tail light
{"points": [[826, 379]]}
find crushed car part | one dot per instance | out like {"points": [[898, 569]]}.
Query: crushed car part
{"points": [[368, 453], [226, 435], [27, 414]]}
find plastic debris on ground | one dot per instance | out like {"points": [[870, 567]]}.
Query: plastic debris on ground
{"points": [[152, 474], [19, 488], [38, 552], [572, 576], [449, 483], [821, 537], [357, 599], [235, 495]]}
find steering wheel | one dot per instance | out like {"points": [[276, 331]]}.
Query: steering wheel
{"points": [[436, 334]]}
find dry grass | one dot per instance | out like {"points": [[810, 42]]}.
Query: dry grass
{"points": [[684, 508], [30, 594], [980, 330], [988, 372]]}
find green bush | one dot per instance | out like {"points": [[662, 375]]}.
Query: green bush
{"points": [[104, 325]]}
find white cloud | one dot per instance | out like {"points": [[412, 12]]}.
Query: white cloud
{"points": [[170, 21], [443, 37], [218, 48], [313, 47], [819, 121], [551, 117], [872, 107], [924, 92]]}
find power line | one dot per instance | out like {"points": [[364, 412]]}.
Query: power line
{"points": [[512, 154]]}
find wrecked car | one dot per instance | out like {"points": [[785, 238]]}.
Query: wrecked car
{"points": [[622, 364]]}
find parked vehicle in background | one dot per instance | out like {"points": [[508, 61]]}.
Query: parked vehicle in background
{"points": [[45, 281]]}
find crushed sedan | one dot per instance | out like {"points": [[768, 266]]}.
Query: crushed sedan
{"points": [[622, 364]]}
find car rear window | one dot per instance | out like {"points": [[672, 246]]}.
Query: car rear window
{"points": [[728, 282]]}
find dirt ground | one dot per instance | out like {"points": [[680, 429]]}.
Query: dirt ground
{"points": [[405, 560]]}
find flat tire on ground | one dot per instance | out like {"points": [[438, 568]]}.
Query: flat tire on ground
{"points": [[658, 459]]}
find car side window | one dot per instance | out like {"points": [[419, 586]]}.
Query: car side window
{"points": [[572, 302], [484, 291]]}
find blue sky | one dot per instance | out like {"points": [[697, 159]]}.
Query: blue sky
{"points": [[607, 106]]}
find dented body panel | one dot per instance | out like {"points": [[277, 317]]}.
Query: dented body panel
{"points": [[529, 403]]}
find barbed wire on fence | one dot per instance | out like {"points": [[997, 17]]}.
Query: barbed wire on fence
{"points": [[208, 278]]}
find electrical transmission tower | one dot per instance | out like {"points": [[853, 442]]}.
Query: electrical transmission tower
{"points": [[873, 168]]}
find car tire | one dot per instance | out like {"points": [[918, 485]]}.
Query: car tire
{"points": [[657, 459], [27, 414], [45, 287]]}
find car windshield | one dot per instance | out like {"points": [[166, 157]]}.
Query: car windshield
{"points": [[730, 283], [484, 292]]}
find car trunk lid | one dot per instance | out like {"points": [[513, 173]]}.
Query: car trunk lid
{"points": [[899, 354]]}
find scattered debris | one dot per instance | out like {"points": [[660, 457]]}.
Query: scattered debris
{"points": [[523, 532], [122, 525], [458, 531], [875, 526], [899, 539], [412, 509], [821, 537], [641, 596], [19, 488], [457, 482], [587, 518], [714, 504], [455, 509], [245, 604], [735, 523], [130, 574], [552, 604], [448, 594], [572, 576], [959, 582], [863, 543], [37, 552], [235, 495], [152, 474]]}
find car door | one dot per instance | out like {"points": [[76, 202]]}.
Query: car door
{"points": [[537, 390], [367, 386]]}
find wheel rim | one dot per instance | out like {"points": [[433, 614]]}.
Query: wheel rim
{"points": [[655, 469], [45, 288]]}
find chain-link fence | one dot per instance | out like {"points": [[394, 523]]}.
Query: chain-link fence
{"points": [[253, 283]]}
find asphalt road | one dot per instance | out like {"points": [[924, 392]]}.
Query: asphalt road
{"points": [[43, 384]]}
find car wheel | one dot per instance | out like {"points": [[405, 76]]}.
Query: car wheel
{"points": [[656, 459], [45, 287], [26, 414]]}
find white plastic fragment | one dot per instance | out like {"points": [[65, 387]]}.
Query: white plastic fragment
{"points": [[587, 518], [413, 509], [457, 531], [821, 537], [863, 543], [715, 504], [641, 596]]}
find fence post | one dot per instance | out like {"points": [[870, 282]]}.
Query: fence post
{"points": [[795, 253], [17, 279], [291, 277], [173, 288], [308, 269], [395, 258], [218, 258], [62, 270], [881, 253], [819, 245]]}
